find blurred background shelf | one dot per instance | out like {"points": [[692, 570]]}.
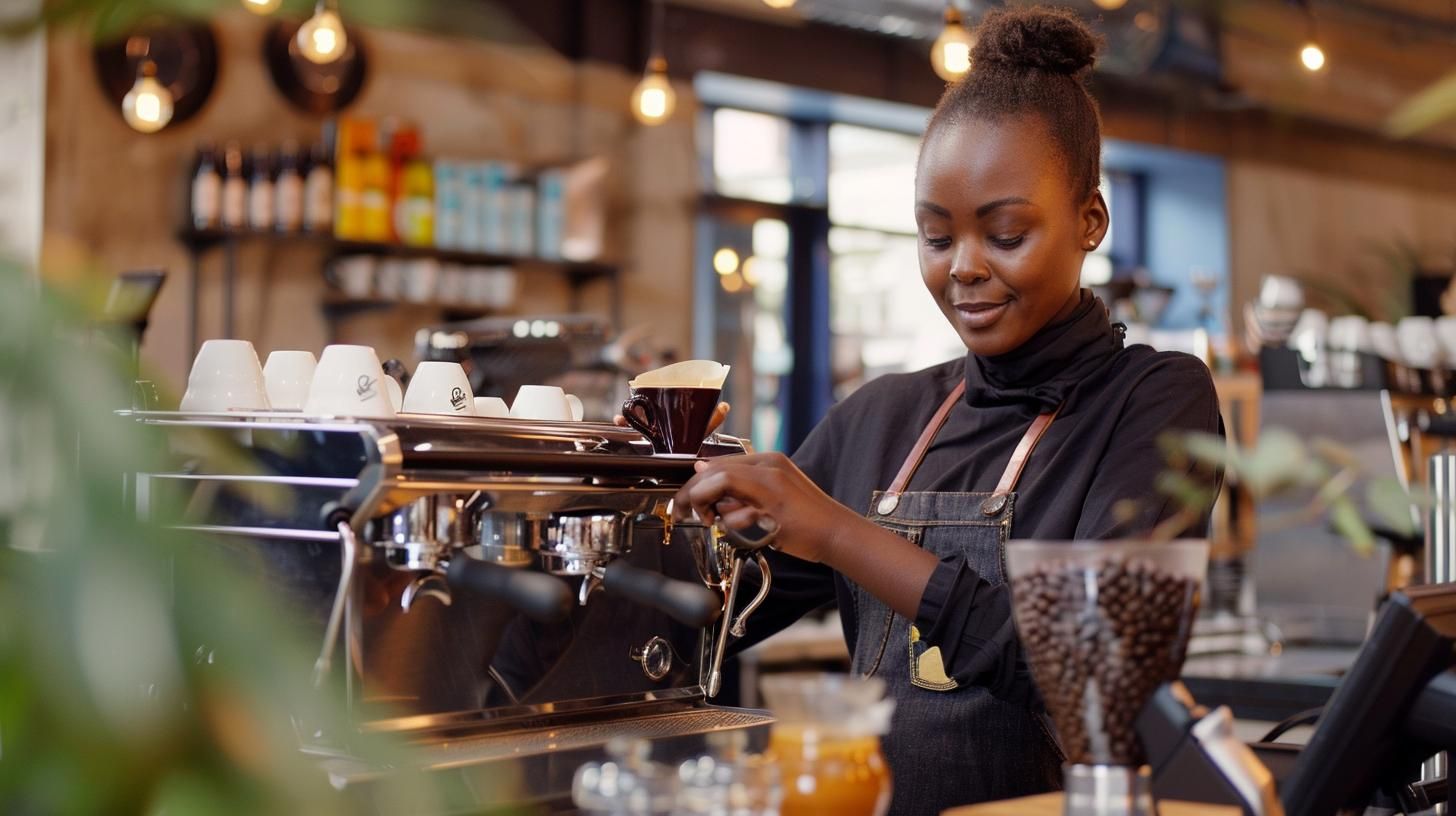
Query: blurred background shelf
{"points": [[200, 242]]}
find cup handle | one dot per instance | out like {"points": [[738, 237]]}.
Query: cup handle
{"points": [[636, 410]]}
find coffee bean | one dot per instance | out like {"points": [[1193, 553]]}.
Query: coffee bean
{"points": [[1098, 656]]}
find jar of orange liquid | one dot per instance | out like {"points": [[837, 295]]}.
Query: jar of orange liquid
{"points": [[826, 742]]}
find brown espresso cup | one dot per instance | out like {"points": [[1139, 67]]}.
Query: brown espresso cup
{"points": [[675, 419]]}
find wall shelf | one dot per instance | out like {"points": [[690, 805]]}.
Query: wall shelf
{"points": [[199, 242]]}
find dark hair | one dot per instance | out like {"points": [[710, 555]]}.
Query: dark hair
{"points": [[1034, 60]]}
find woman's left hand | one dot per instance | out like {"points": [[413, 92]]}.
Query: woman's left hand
{"points": [[767, 489]]}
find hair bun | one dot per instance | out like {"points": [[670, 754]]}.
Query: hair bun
{"points": [[1042, 37]]}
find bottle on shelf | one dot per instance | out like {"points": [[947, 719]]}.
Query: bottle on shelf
{"points": [[376, 215], [206, 193], [318, 191], [234, 188], [415, 208], [260, 191], [288, 190], [356, 141], [449, 207], [550, 213]]}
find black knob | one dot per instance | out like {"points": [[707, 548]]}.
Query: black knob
{"points": [[334, 514]]}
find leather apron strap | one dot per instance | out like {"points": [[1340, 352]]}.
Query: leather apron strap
{"points": [[994, 504]]}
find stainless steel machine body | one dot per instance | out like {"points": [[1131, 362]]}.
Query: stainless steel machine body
{"points": [[492, 590]]}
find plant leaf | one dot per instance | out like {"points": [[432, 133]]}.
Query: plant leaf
{"points": [[1346, 520], [1332, 451], [1278, 459], [1428, 107], [1390, 503], [1210, 449]]}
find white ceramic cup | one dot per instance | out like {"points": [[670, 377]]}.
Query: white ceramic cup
{"points": [[356, 275], [1281, 292], [389, 283], [1446, 335], [503, 282], [452, 284], [349, 382], [1350, 333], [396, 393], [1311, 333], [479, 286], [287, 375], [1382, 340], [1418, 344], [225, 376], [545, 402], [439, 388], [421, 280], [577, 409], [491, 407]]}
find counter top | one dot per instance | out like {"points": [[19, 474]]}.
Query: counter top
{"points": [[1050, 804]]}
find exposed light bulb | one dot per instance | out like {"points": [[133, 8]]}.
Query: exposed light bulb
{"points": [[779, 4], [147, 107], [732, 284], [951, 54], [653, 99], [725, 261], [1312, 56], [321, 38], [749, 270], [1110, 5], [262, 7]]}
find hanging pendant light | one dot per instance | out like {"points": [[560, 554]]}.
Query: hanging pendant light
{"points": [[262, 7], [1311, 55], [321, 39], [653, 100], [951, 54], [147, 107]]}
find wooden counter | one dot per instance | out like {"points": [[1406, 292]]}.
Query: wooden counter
{"points": [[1050, 804]]}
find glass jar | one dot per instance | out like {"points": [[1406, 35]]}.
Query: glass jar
{"points": [[627, 784], [728, 781], [826, 742]]}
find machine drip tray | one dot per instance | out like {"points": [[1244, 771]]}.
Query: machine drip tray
{"points": [[541, 760], [450, 753]]}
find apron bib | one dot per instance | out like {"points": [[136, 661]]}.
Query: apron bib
{"points": [[950, 744]]}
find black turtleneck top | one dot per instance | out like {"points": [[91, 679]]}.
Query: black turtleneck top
{"points": [[1102, 448]]}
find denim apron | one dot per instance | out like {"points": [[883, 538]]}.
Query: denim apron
{"points": [[950, 744]]}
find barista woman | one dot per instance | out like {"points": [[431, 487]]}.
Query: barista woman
{"points": [[899, 505]]}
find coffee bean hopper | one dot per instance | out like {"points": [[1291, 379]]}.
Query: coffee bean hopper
{"points": [[495, 591]]}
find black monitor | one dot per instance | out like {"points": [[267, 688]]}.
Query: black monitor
{"points": [[1366, 738]]}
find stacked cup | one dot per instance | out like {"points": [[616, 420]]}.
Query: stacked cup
{"points": [[440, 388], [350, 382], [225, 377], [287, 375]]}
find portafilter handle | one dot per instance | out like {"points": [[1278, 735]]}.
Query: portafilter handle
{"points": [[689, 604], [539, 596]]}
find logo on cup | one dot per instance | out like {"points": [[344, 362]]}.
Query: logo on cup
{"points": [[365, 387], [457, 398]]}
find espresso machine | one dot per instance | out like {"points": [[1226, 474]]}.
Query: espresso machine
{"points": [[494, 592]]}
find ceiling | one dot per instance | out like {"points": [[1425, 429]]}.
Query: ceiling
{"points": [[1380, 52]]}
